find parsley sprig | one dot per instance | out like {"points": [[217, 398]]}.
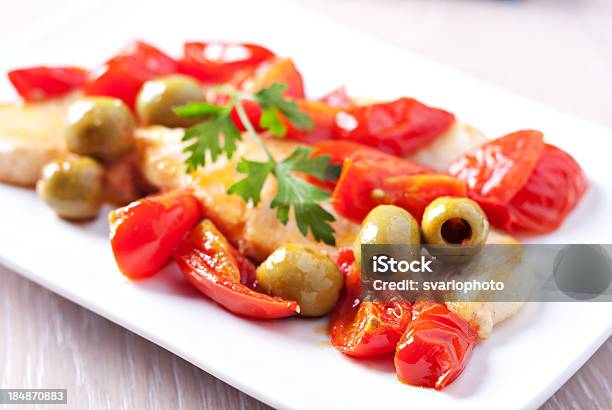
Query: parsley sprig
{"points": [[217, 135]]}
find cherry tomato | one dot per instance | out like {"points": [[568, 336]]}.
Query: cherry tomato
{"points": [[253, 112], [279, 71], [344, 260], [145, 233], [498, 169], [435, 348], [218, 62], [398, 127], [415, 192], [323, 118], [338, 98], [40, 83], [368, 181], [366, 329], [123, 75], [522, 183], [552, 191], [341, 150], [210, 264]]}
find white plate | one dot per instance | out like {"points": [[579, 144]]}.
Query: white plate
{"points": [[288, 363]]}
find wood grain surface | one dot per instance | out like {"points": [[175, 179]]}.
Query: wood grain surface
{"points": [[555, 51]]}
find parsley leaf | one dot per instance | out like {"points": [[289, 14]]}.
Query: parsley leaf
{"points": [[205, 138], [299, 161], [274, 97], [249, 188], [217, 135], [303, 196], [271, 121], [199, 110]]}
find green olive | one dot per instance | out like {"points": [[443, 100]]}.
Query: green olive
{"points": [[158, 97], [100, 127], [72, 187], [454, 221], [387, 224], [457, 227], [300, 273]]}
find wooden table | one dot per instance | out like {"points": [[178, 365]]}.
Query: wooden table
{"points": [[555, 51]]}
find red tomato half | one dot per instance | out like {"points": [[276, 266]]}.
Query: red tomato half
{"points": [[123, 75], [344, 260], [498, 169], [552, 191], [338, 98], [415, 192], [522, 183], [145, 233], [435, 348], [253, 112], [40, 83], [366, 329], [341, 150], [370, 180], [323, 118], [219, 62], [398, 127], [280, 71], [210, 264]]}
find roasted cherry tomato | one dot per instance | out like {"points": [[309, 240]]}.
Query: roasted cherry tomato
{"points": [[40, 83], [415, 192], [553, 189], [220, 62], [323, 118], [366, 329], [435, 348], [344, 260], [338, 98], [145, 233], [369, 180], [398, 127], [341, 150], [279, 71], [212, 265], [521, 182], [123, 75], [253, 112]]}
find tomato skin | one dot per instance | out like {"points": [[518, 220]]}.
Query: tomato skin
{"points": [[398, 127], [415, 192], [253, 112], [499, 168], [323, 118], [145, 233], [369, 180], [552, 191], [338, 98], [341, 150], [213, 266], [366, 329], [522, 183], [40, 83], [123, 75], [219, 62], [283, 71], [435, 348], [344, 260]]}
